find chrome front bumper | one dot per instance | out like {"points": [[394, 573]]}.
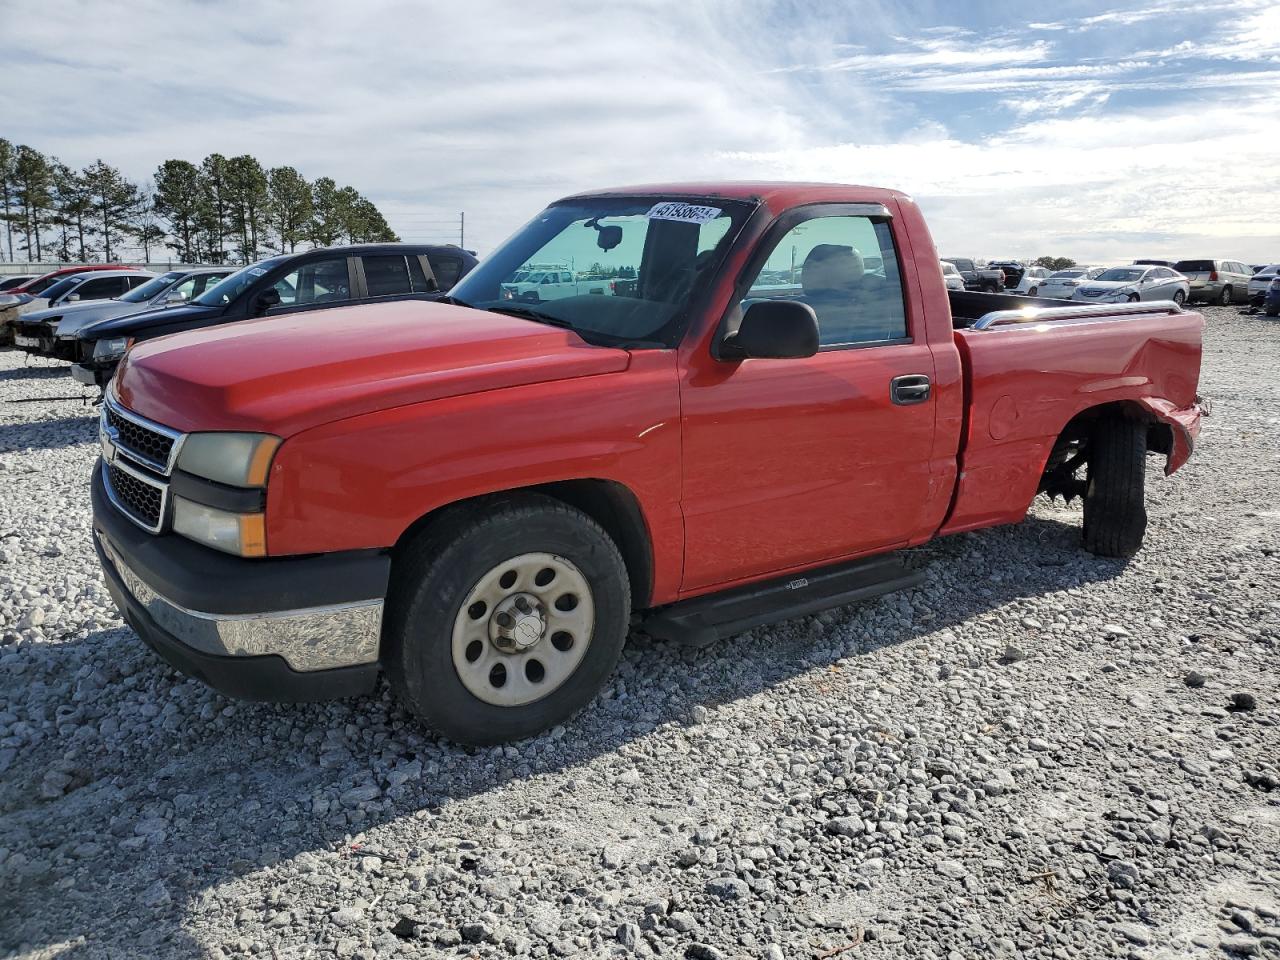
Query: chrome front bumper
{"points": [[315, 638]]}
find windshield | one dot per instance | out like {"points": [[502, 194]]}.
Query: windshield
{"points": [[151, 288], [1128, 275], [613, 269], [60, 287], [237, 283]]}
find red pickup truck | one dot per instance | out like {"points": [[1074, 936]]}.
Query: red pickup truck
{"points": [[479, 496]]}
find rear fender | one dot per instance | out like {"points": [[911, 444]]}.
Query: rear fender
{"points": [[1183, 423]]}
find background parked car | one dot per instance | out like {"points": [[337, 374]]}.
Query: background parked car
{"points": [[1216, 281], [1061, 284], [1260, 283], [14, 298], [987, 279], [52, 332], [951, 276], [1156, 263], [1119, 284], [82, 287], [289, 283], [8, 282], [1030, 282]]}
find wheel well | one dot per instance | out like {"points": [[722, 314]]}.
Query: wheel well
{"points": [[609, 504], [1159, 435]]}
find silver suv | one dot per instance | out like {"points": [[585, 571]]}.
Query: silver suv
{"points": [[1216, 281]]}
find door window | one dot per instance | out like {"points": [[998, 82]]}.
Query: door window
{"points": [[386, 276], [846, 268], [322, 281], [418, 277], [100, 288]]}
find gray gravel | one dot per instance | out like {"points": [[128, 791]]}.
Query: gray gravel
{"points": [[1037, 753]]}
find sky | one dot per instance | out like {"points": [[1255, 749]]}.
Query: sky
{"points": [[1099, 131]]}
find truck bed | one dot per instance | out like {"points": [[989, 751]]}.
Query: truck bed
{"points": [[1029, 373]]}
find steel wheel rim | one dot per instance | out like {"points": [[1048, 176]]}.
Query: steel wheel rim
{"points": [[523, 629]]}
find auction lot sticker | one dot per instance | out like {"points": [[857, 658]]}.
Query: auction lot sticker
{"points": [[684, 212]]}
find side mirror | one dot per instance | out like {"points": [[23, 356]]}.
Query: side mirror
{"points": [[773, 329], [73, 298], [267, 299]]}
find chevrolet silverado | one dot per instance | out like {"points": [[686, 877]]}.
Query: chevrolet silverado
{"points": [[477, 497]]}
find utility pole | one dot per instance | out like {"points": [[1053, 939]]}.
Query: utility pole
{"points": [[462, 229]]}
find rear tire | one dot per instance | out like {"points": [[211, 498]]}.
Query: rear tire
{"points": [[1033, 292], [434, 595], [1115, 514], [1133, 298], [1272, 311]]}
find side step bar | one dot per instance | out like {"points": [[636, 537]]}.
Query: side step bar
{"points": [[704, 620]]}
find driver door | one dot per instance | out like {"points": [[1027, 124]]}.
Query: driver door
{"points": [[797, 462]]}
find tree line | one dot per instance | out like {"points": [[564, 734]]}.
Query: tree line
{"points": [[224, 210]]}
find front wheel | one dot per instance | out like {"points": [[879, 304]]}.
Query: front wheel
{"points": [[1225, 298], [1133, 298], [1115, 513], [505, 621], [1179, 297]]}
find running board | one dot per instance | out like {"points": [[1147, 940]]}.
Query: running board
{"points": [[702, 621]]}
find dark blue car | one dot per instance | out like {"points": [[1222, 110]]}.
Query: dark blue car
{"points": [[289, 283]]}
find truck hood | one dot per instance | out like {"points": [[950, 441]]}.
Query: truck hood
{"points": [[135, 324], [285, 374]]}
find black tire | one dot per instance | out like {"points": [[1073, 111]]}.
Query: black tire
{"points": [[1225, 299], [1179, 297], [1134, 298], [1115, 513], [1273, 311], [433, 577], [1033, 292]]}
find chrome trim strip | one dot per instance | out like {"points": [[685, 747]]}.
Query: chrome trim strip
{"points": [[1096, 311], [137, 475], [312, 638], [165, 469]]}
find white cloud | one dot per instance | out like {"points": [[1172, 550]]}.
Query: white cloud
{"points": [[497, 109]]}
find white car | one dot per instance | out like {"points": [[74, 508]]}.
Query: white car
{"points": [[1121, 284], [552, 283], [1061, 284], [1031, 282], [951, 276], [1261, 280]]}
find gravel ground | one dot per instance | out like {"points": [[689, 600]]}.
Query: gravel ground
{"points": [[1037, 753]]}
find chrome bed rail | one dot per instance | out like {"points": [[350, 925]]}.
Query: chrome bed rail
{"points": [[1089, 311]]}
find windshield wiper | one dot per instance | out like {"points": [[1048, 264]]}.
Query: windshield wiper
{"points": [[531, 314]]}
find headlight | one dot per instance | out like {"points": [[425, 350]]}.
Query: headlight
{"points": [[237, 459], [243, 534], [110, 349]]}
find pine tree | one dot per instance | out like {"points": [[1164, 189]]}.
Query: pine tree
{"points": [[180, 202], [326, 226], [213, 219], [144, 223], [33, 179], [8, 158], [113, 199], [289, 207], [247, 203], [75, 212]]}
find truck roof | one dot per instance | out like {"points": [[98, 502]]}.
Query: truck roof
{"points": [[773, 192]]}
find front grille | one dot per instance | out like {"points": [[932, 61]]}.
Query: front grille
{"points": [[134, 439], [142, 500]]}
